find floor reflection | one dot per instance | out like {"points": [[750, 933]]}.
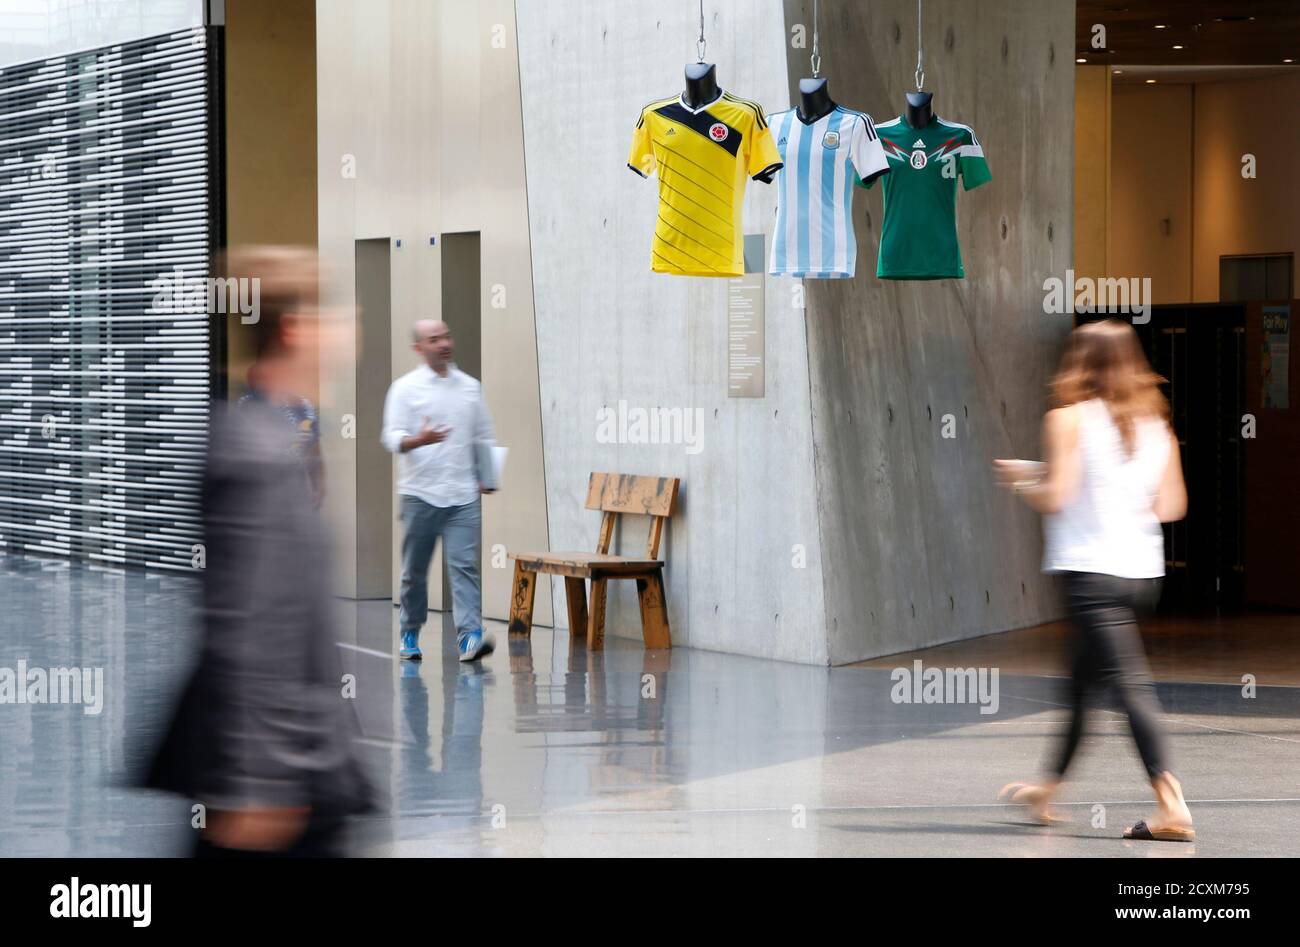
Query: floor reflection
{"points": [[547, 748]]}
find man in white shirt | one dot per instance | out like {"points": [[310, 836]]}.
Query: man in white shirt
{"points": [[433, 417]]}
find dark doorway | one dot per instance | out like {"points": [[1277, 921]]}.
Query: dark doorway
{"points": [[1200, 350]]}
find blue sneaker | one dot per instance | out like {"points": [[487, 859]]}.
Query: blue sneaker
{"points": [[475, 645], [410, 646]]}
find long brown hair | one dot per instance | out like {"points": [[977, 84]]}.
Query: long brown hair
{"points": [[1105, 360]]}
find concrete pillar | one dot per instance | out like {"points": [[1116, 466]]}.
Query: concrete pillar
{"points": [[743, 567], [918, 545]]}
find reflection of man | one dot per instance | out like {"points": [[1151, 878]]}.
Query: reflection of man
{"points": [[433, 417], [300, 415], [263, 736]]}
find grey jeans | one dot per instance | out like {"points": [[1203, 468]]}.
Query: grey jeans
{"points": [[459, 527]]}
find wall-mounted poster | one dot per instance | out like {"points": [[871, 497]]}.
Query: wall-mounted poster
{"points": [[1275, 359]]}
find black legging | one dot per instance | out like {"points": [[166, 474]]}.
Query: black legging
{"points": [[1108, 655]]}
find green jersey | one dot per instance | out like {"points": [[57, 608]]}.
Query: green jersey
{"points": [[919, 237]]}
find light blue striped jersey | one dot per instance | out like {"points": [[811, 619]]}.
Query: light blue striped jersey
{"points": [[814, 203]]}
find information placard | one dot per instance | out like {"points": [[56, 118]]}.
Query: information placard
{"points": [[745, 325]]}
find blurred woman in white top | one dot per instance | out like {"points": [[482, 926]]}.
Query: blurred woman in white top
{"points": [[1112, 475]]}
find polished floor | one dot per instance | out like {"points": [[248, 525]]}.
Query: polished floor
{"points": [[547, 749], [1219, 650]]}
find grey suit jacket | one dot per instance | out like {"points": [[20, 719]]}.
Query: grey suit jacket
{"points": [[263, 721]]}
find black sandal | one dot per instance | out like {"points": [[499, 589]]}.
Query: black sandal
{"points": [[1169, 833]]}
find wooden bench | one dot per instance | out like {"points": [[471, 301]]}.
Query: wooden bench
{"points": [[613, 495]]}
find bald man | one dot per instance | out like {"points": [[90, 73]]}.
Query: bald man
{"points": [[433, 417]]}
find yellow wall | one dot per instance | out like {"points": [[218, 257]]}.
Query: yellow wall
{"points": [[1233, 214], [1151, 184], [1092, 103], [1175, 151], [270, 76]]}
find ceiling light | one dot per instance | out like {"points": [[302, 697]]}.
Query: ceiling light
{"points": [[1151, 82], [1081, 59], [1288, 60], [1178, 47], [1118, 72], [1160, 26]]}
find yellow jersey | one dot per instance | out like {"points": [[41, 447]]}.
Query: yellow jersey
{"points": [[702, 157]]}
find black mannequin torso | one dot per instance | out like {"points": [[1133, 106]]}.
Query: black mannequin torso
{"points": [[815, 103], [815, 100], [918, 109], [701, 90], [701, 84]]}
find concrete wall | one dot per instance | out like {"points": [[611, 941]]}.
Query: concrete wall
{"points": [[609, 330], [919, 546], [419, 135], [844, 455]]}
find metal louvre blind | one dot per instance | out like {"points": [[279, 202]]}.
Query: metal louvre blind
{"points": [[107, 183]]}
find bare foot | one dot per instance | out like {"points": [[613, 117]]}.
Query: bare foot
{"points": [[1172, 820], [1036, 799]]}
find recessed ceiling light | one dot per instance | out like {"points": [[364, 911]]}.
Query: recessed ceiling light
{"points": [[1118, 72], [1151, 82], [1160, 26], [1288, 60], [1081, 59], [1178, 47]]}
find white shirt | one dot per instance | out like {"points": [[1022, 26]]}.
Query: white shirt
{"points": [[1109, 527], [441, 474]]}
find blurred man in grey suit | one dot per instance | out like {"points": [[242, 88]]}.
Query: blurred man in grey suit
{"points": [[264, 737]]}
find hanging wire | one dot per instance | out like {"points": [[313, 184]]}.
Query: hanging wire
{"points": [[700, 44], [816, 50], [920, 71]]}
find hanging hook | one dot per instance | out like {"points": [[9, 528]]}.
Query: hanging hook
{"points": [[920, 70], [700, 44], [816, 50]]}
